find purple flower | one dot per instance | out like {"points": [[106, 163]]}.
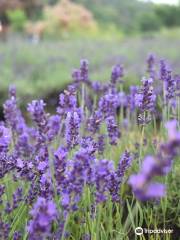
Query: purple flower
{"points": [[84, 70], [89, 145], [124, 164], [43, 214], [155, 190], [5, 137], [103, 172], [46, 186], [86, 237], [65, 200], [23, 145], [172, 147], [42, 166], [94, 122], [17, 236], [113, 130], [33, 192], [79, 172], [17, 124], [108, 104], [151, 66], [8, 209], [118, 175], [144, 191], [81, 75], [142, 184], [5, 229], [164, 68], [60, 163], [99, 87], [131, 97], [101, 144], [170, 86], [172, 131], [7, 163], [17, 197], [40, 117], [145, 99], [36, 109], [72, 131], [11, 112], [117, 73], [67, 101], [53, 126], [76, 75]]}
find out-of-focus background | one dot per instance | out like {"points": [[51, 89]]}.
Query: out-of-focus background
{"points": [[41, 41]]}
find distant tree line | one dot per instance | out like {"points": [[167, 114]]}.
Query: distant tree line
{"points": [[132, 15], [126, 15]]}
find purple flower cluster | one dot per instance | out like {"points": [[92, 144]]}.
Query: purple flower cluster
{"points": [[145, 100], [55, 159], [43, 214], [39, 116], [118, 175], [72, 132], [146, 97], [67, 101], [16, 123], [151, 61], [113, 130], [81, 75], [5, 138], [142, 184], [104, 169], [117, 73]]}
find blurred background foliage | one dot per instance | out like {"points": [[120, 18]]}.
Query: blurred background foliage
{"points": [[41, 41], [55, 16]]}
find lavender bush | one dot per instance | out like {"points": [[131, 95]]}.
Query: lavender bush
{"points": [[71, 175]]}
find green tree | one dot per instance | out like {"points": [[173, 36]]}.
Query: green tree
{"points": [[169, 15], [17, 19], [123, 14], [149, 22]]}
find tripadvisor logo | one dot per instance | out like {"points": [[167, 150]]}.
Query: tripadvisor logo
{"points": [[138, 231]]}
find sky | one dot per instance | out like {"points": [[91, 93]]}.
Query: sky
{"points": [[165, 1]]}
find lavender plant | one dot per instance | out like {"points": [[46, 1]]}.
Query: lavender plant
{"points": [[60, 175]]}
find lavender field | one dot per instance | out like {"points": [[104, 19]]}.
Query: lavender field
{"points": [[46, 67], [106, 162]]}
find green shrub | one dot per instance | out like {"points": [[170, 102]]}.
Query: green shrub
{"points": [[17, 19], [170, 15], [149, 22]]}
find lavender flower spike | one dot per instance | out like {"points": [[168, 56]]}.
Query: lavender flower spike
{"points": [[151, 66], [43, 213], [118, 175], [117, 73], [103, 171], [5, 137], [73, 121]]}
